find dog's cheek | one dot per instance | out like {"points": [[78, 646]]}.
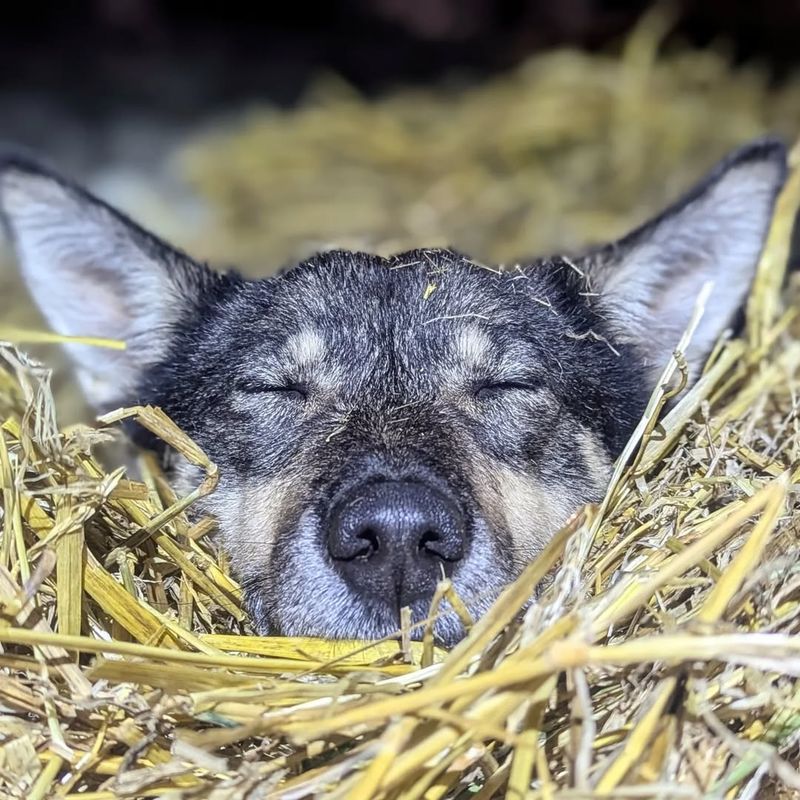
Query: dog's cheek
{"points": [[597, 462], [250, 518], [525, 509], [532, 512]]}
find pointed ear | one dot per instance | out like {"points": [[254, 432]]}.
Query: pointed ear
{"points": [[648, 282], [93, 272]]}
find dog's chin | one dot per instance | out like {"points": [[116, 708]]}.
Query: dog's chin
{"points": [[364, 619], [329, 608]]}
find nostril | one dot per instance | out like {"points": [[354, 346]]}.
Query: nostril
{"points": [[434, 543], [370, 544], [430, 544], [354, 543], [427, 542]]}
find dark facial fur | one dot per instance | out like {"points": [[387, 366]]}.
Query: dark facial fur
{"points": [[489, 404]]}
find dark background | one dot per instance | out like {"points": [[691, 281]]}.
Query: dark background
{"points": [[180, 59]]}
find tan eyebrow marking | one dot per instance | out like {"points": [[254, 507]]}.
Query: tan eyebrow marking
{"points": [[472, 345], [305, 347]]}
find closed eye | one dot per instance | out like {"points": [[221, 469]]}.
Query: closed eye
{"points": [[490, 389], [288, 390]]}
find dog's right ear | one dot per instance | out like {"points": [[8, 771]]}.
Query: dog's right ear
{"points": [[93, 272], [647, 282]]}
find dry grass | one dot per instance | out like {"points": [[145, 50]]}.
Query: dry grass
{"points": [[662, 661]]}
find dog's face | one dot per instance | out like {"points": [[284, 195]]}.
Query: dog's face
{"points": [[379, 423], [388, 422]]}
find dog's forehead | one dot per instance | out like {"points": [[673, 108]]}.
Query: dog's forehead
{"points": [[436, 299]]}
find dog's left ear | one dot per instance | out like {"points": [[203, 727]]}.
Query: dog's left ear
{"points": [[648, 281], [95, 273]]}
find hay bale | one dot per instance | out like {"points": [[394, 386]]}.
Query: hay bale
{"points": [[663, 660]]}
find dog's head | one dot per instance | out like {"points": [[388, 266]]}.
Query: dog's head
{"points": [[381, 422]]}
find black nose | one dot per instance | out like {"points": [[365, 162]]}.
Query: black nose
{"points": [[392, 539]]}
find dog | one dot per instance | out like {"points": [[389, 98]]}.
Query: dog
{"points": [[380, 423]]}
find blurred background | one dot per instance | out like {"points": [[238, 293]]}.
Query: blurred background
{"points": [[254, 135]]}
